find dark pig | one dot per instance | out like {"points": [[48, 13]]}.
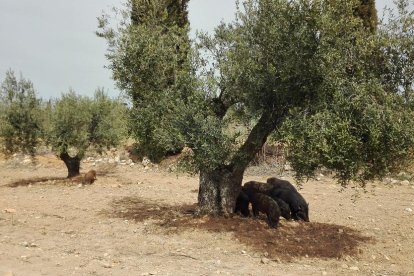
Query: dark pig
{"points": [[265, 204], [299, 208]]}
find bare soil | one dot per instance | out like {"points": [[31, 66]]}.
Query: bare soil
{"points": [[137, 221]]}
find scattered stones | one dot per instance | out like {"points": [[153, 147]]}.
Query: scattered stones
{"points": [[405, 183], [27, 244], [146, 162], [278, 260], [264, 260], [27, 160], [324, 273], [106, 265], [409, 210], [393, 181], [344, 266], [354, 268], [9, 211]]}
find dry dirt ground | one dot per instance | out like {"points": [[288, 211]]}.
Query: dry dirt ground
{"points": [[136, 221]]}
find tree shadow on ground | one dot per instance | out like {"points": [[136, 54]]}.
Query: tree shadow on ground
{"points": [[290, 240], [38, 180], [103, 170]]}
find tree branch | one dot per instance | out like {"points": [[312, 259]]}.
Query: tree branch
{"points": [[256, 139]]}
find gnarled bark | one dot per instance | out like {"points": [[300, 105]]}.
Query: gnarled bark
{"points": [[72, 164], [218, 191], [220, 187]]}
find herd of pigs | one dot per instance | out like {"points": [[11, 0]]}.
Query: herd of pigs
{"points": [[274, 198]]}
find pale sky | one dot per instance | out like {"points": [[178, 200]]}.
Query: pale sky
{"points": [[53, 42]]}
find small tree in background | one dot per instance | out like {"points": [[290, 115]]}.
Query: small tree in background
{"points": [[78, 123], [20, 121], [70, 125]]}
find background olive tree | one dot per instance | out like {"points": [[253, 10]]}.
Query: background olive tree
{"points": [[78, 123], [307, 71], [20, 128], [71, 124]]}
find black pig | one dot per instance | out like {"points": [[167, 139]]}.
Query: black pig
{"points": [[265, 204], [297, 204]]}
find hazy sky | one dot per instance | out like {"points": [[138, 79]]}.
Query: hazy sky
{"points": [[53, 42]]}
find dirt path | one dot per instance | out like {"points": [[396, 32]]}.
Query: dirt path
{"points": [[139, 222]]}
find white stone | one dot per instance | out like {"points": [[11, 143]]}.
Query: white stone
{"points": [[394, 181], [264, 260], [408, 210]]}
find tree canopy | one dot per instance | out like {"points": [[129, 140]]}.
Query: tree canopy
{"points": [[307, 71], [154, 70], [70, 125], [20, 118], [78, 123]]}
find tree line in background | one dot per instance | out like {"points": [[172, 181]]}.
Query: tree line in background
{"points": [[69, 125]]}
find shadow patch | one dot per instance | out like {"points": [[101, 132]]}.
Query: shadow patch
{"points": [[37, 180], [291, 240]]}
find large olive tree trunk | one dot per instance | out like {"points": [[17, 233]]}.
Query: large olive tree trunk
{"points": [[218, 191], [220, 187], [72, 163]]}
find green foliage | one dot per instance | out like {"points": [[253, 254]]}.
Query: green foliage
{"points": [[70, 123], [107, 125], [173, 12], [359, 138], [149, 62], [339, 96], [368, 13], [19, 115], [78, 122], [396, 58]]}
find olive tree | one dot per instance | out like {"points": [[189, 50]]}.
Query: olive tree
{"points": [[307, 71], [19, 115], [78, 123], [156, 74]]}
